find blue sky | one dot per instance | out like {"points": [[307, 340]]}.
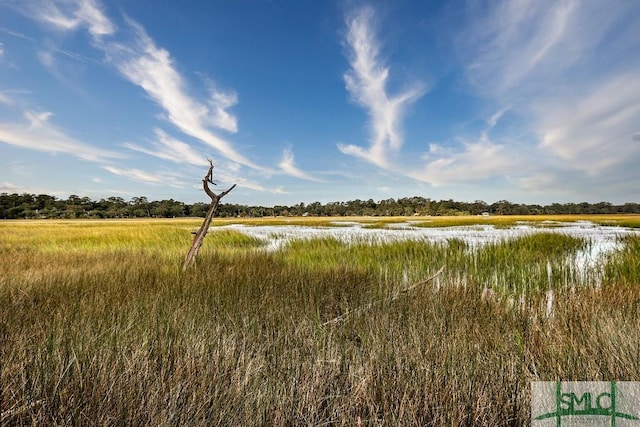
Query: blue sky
{"points": [[531, 101]]}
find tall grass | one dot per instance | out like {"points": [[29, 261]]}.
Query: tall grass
{"points": [[624, 265], [536, 262], [109, 331]]}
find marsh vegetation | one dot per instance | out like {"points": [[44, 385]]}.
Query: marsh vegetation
{"points": [[100, 326]]}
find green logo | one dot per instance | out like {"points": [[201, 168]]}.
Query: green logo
{"points": [[579, 403]]}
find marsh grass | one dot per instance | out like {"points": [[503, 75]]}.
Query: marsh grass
{"points": [[498, 221], [536, 262], [624, 265], [99, 326]]}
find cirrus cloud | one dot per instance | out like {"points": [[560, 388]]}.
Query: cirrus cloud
{"points": [[288, 166], [38, 133], [168, 148], [366, 81]]}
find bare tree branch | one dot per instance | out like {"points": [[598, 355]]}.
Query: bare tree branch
{"points": [[213, 206]]}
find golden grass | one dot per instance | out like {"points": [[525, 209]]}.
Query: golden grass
{"points": [[99, 326], [627, 220]]}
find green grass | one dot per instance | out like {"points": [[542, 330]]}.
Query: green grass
{"points": [[99, 326], [531, 263], [499, 221], [624, 267]]}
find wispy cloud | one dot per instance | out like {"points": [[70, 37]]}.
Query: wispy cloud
{"points": [[152, 68], [592, 132], [37, 133], [139, 60], [71, 15], [16, 34], [563, 71], [288, 166], [252, 185], [168, 148], [474, 162], [495, 118], [229, 173], [513, 49], [9, 187], [219, 104], [516, 51], [366, 82], [160, 178]]}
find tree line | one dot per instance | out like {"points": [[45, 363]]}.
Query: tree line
{"points": [[31, 206]]}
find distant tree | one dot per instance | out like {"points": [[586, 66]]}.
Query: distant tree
{"points": [[140, 207], [315, 209], [117, 208], [502, 207], [478, 207], [18, 206], [198, 209]]}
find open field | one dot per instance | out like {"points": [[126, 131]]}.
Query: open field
{"points": [[99, 325]]}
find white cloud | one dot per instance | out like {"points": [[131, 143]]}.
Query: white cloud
{"points": [[151, 68], [39, 134], [228, 173], [70, 15], [476, 161], [250, 184], [519, 51], [90, 13], [564, 70], [515, 48], [219, 103], [164, 178], [37, 120], [495, 118], [168, 148], [366, 82], [9, 187], [288, 165], [16, 34], [1, 51], [591, 131]]}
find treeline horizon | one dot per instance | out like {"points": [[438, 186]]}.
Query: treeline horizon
{"points": [[44, 206]]}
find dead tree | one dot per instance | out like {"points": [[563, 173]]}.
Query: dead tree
{"points": [[202, 232]]}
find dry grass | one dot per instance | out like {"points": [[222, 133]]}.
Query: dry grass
{"points": [[98, 326]]}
